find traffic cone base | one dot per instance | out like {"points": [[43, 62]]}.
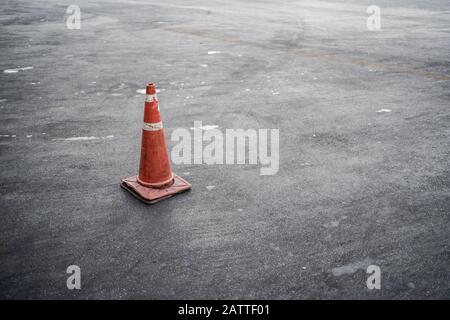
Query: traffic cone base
{"points": [[152, 195]]}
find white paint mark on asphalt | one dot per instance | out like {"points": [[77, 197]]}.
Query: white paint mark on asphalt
{"points": [[29, 136], [4, 135], [186, 173], [275, 93], [15, 70], [3, 100], [334, 223], [240, 210], [352, 267], [83, 138], [207, 127], [214, 52], [210, 187], [204, 65], [384, 110], [304, 164]]}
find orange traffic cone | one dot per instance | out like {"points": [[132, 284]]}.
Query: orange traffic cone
{"points": [[155, 180]]}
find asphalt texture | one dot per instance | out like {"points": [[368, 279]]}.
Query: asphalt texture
{"points": [[356, 186]]}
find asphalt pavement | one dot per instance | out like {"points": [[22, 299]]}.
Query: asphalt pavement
{"points": [[363, 119]]}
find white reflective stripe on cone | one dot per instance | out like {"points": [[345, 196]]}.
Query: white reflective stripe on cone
{"points": [[152, 126], [151, 97]]}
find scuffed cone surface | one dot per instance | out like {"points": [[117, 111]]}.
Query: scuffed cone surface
{"points": [[153, 195]]}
